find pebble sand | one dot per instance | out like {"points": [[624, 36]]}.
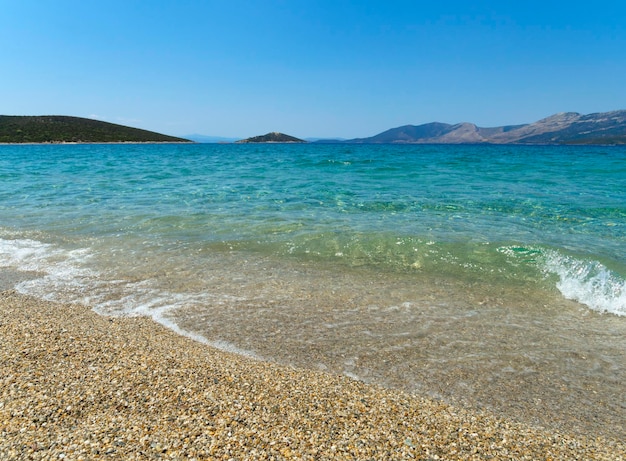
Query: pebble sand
{"points": [[76, 385]]}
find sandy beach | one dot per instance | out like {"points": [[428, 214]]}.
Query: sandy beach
{"points": [[76, 385]]}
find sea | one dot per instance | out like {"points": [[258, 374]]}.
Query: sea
{"points": [[490, 277]]}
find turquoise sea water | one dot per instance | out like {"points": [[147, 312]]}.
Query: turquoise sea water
{"points": [[491, 276]]}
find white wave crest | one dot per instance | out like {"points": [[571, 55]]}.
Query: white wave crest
{"points": [[588, 282]]}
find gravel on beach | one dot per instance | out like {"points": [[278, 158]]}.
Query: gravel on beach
{"points": [[76, 385]]}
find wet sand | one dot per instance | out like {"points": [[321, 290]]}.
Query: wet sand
{"points": [[76, 385]]}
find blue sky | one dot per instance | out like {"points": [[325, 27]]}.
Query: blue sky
{"points": [[337, 68]]}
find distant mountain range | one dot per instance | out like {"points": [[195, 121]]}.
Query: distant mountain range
{"points": [[562, 128], [205, 139], [64, 129]]}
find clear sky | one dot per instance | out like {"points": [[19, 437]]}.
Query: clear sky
{"points": [[323, 68]]}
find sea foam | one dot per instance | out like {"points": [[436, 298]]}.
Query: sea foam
{"points": [[64, 277]]}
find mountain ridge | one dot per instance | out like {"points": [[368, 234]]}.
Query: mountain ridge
{"points": [[560, 128]]}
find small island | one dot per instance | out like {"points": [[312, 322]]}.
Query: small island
{"points": [[272, 137], [23, 129]]}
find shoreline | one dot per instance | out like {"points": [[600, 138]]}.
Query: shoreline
{"points": [[76, 143], [78, 384]]}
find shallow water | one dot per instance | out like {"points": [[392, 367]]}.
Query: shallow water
{"points": [[490, 276]]}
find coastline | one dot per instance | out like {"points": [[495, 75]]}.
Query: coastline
{"points": [[68, 143], [81, 385]]}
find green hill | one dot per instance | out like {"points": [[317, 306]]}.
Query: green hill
{"points": [[60, 128], [272, 137]]}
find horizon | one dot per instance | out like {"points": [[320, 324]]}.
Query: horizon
{"points": [[323, 70], [210, 139], [340, 138]]}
